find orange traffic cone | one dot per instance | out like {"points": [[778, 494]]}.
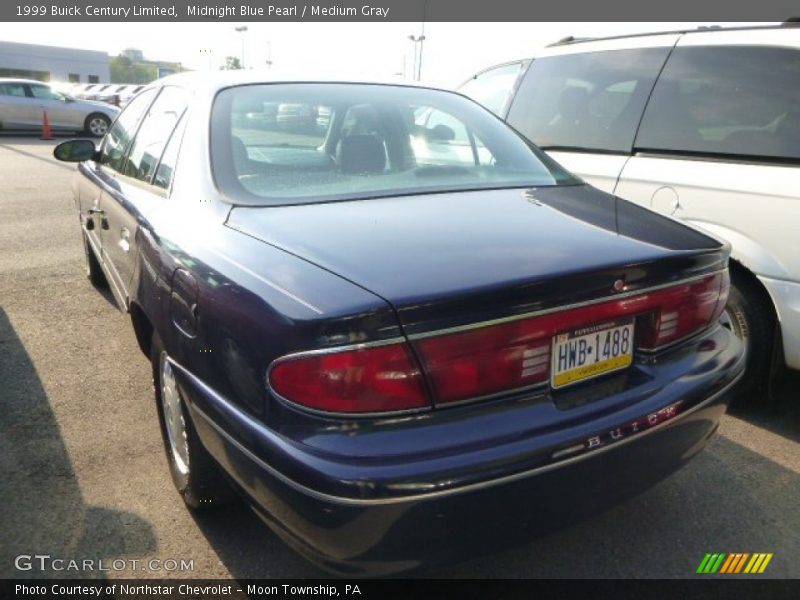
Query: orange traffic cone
{"points": [[47, 132]]}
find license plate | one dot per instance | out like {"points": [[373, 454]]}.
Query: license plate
{"points": [[591, 351]]}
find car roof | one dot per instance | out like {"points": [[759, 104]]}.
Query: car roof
{"points": [[216, 80], [19, 80]]}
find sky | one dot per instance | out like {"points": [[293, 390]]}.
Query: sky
{"points": [[452, 51]]}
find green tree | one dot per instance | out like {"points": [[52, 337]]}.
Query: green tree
{"points": [[124, 70], [231, 64]]}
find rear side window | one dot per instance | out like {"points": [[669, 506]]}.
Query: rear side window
{"points": [[154, 132], [493, 88], [591, 101], [726, 101], [118, 139]]}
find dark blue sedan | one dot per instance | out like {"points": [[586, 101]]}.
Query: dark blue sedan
{"points": [[401, 332]]}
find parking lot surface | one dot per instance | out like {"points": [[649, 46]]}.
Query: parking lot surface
{"points": [[84, 474]]}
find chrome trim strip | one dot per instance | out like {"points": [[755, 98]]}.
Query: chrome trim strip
{"points": [[426, 495], [547, 311]]}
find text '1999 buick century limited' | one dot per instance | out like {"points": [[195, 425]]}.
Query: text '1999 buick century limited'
{"points": [[402, 333]]}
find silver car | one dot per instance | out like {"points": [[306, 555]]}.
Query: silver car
{"points": [[23, 103]]}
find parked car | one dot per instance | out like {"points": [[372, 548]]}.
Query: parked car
{"points": [[395, 361], [701, 125], [23, 104], [128, 92], [293, 115]]}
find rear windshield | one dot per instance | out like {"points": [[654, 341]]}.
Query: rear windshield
{"points": [[296, 143]]}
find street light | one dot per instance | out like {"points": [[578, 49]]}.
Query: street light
{"points": [[242, 30], [418, 39]]}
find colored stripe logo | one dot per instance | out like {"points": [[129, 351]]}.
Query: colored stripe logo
{"points": [[733, 563]]}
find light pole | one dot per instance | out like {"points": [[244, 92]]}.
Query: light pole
{"points": [[418, 39], [243, 31], [269, 54]]}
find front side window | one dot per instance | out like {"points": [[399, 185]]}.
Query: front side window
{"points": [[118, 139], [158, 123], [12, 89], [43, 92], [586, 101], [493, 88], [726, 101], [290, 143]]}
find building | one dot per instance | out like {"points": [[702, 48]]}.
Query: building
{"points": [[51, 63]]}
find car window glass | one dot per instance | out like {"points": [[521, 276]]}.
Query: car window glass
{"points": [[154, 132], [119, 137], [493, 88], [166, 168], [45, 93], [726, 100], [591, 101], [441, 138], [282, 143], [12, 89]]}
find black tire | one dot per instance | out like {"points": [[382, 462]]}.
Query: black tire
{"points": [[204, 486], [94, 273], [750, 316], [91, 124]]}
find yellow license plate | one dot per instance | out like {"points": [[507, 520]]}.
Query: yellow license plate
{"points": [[591, 351]]}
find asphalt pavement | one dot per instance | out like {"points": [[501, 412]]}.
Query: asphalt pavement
{"points": [[83, 473]]}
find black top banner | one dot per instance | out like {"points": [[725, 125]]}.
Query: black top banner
{"points": [[396, 10]]}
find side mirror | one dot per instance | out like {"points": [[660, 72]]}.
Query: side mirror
{"points": [[75, 151], [441, 133], [69, 99]]}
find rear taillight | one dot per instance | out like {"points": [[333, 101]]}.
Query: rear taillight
{"points": [[361, 380], [486, 360], [683, 310], [515, 355]]}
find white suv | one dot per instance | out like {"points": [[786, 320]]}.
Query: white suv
{"points": [[703, 125]]}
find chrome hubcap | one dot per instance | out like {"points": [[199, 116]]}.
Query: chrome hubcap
{"points": [[173, 419], [97, 126]]}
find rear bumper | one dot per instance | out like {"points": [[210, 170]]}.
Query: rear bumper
{"points": [[786, 297], [393, 513]]}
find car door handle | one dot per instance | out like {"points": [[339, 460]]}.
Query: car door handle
{"points": [[124, 236]]}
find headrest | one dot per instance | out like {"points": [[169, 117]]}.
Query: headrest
{"points": [[361, 154]]}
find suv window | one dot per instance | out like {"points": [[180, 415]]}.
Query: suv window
{"points": [[591, 101], [727, 100], [154, 132], [493, 88], [118, 139]]}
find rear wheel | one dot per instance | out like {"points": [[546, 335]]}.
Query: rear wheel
{"points": [[97, 124], [196, 475], [750, 317]]}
